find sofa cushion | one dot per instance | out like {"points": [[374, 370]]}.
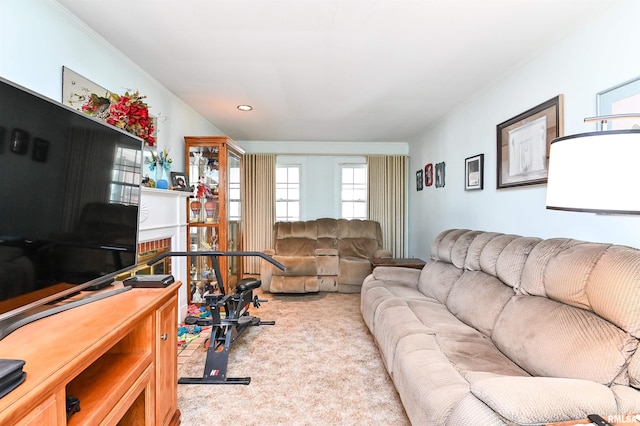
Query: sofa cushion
{"points": [[429, 386], [353, 270], [477, 299], [511, 261], [357, 247], [532, 281], [296, 265], [548, 338], [298, 229], [614, 288], [437, 278], [492, 251], [298, 284], [461, 247], [295, 246], [534, 400], [327, 228], [472, 259], [442, 247], [602, 278]]}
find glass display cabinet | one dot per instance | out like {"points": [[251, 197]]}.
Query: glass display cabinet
{"points": [[214, 166]]}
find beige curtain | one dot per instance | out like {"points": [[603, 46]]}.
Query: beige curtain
{"points": [[387, 199], [258, 207]]}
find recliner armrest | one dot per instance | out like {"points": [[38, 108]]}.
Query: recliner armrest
{"points": [[535, 400]]}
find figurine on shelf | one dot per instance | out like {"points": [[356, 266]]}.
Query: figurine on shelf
{"points": [[196, 206], [205, 196], [202, 190], [210, 207]]}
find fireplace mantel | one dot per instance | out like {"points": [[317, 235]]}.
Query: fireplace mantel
{"points": [[163, 214]]}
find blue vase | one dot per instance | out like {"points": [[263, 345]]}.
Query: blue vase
{"points": [[161, 181]]}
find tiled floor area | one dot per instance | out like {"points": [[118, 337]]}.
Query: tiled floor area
{"points": [[186, 349]]}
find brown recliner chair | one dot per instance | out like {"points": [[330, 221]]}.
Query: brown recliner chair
{"points": [[322, 255]]}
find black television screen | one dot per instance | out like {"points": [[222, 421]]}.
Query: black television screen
{"points": [[69, 194]]}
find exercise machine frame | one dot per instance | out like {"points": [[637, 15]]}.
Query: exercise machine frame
{"points": [[229, 318]]}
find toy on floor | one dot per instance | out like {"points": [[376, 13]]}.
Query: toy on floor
{"points": [[229, 318]]}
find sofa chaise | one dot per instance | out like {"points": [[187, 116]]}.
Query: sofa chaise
{"points": [[501, 329], [322, 255]]}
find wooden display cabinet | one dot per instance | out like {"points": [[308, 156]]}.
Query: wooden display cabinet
{"points": [[214, 170]]}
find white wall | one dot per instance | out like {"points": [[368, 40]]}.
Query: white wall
{"points": [[39, 37], [594, 58]]}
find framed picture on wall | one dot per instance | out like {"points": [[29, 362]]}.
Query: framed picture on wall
{"points": [[523, 144], [440, 175], [428, 174], [474, 172], [621, 99], [419, 180]]}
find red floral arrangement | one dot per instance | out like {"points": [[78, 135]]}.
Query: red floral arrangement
{"points": [[128, 112]]}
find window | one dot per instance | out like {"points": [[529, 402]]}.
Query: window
{"points": [[125, 178], [287, 193], [234, 188], [353, 191]]}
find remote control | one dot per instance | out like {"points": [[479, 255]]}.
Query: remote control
{"points": [[597, 420]]}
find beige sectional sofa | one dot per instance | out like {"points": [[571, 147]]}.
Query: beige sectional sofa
{"points": [[501, 329], [322, 255]]}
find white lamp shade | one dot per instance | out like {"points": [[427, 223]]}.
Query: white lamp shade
{"points": [[595, 172]]}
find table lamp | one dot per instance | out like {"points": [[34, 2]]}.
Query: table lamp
{"points": [[596, 172]]}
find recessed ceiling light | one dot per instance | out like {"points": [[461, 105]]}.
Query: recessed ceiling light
{"points": [[245, 107]]}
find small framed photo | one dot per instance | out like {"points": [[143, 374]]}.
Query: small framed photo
{"points": [[440, 175], [179, 182], [428, 174], [524, 142], [474, 172], [419, 180]]}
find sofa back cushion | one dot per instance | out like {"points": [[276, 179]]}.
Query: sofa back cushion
{"points": [[549, 338], [358, 238], [580, 307], [327, 233], [477, 299], [437, 278], [600, 278], [295, 238], [295, 247]]}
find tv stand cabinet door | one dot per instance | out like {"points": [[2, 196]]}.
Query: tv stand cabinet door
{"points": [[45, 414], [167, 363]]}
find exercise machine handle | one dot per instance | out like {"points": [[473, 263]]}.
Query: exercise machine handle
{"points": [[216, 254]]}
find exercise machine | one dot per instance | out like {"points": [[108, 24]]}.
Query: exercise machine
{"points": [[229, 318]]}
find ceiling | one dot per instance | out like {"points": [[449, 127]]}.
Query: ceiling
{"points": [[330, 70]]}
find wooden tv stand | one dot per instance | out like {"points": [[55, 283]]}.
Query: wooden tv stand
{"points": [[117, 355]]}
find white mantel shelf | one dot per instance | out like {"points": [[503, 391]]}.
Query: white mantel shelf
{"points": [[163, 214]]}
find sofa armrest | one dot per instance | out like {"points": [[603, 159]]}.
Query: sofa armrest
{"points": [[380, 253], [409, 276], [534, 400], [325, 252], [269, 252]]}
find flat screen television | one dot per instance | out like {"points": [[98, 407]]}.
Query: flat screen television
{"points": [[69, 198]]}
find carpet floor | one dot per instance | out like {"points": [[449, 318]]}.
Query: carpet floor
{"points": [[318, 365]]}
